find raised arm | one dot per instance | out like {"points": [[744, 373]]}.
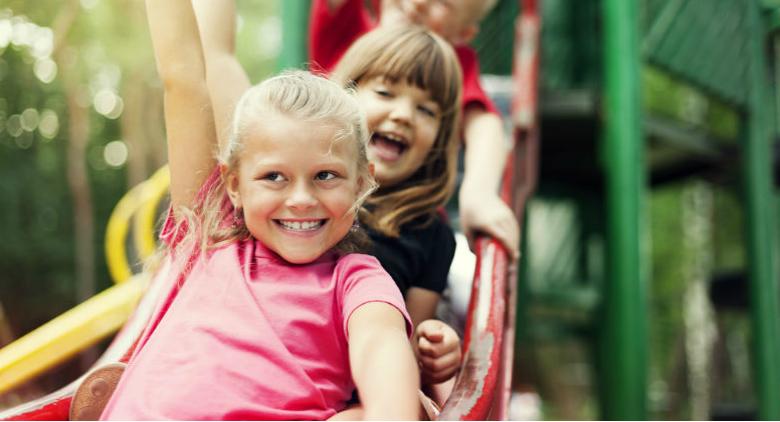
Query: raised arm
{"points": [[481, 208], [382, 362], [188, 117], [227, 79]]}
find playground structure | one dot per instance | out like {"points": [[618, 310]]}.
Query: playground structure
{"points": [[599, 143]]}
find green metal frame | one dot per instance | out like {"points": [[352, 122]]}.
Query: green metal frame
{"points": [[624, 328], [760, 214], [295, 18]]}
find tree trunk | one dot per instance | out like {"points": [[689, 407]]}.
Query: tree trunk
{"points": [[133, 129], [78, 180]]}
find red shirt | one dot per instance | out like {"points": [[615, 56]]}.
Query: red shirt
{"points": [[331, 32]]}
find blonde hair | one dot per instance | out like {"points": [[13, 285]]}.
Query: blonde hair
{"points": [[301, 96], [416, 56]]}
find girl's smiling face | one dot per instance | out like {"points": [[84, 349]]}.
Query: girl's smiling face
{"points": [[404, 121], [296, 186]]}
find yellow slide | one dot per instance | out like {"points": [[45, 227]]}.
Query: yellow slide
{"points": [[104, 313]]}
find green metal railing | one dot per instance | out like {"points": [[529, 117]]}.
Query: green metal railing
{"points": [[624, 329], [760, 217], [295, 15]]}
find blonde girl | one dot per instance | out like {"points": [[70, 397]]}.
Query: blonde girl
{"points": [[270, 320], [407, 78]]}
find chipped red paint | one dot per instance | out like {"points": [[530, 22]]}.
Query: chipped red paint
{"points": [[483, 388]]}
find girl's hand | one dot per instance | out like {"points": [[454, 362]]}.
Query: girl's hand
{"points": [[487, 213], [437, 349]]}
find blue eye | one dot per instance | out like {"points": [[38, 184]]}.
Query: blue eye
{"points": [[273, 177], [325, 175]]}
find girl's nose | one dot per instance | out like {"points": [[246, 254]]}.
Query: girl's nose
{"points": [[301, 197], [402, 111]]}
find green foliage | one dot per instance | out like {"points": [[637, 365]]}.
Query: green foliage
{"points": [[36, 262], [669, 97]]}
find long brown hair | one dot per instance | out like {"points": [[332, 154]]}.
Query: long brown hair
{"points": [[420, 58]]}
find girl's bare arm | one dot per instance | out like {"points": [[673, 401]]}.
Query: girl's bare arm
{"points": [[188, 118], [421, 304], [481, 208], [383, 364], [227, 79]]}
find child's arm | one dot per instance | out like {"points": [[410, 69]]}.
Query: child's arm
{"points": [[421, 304], [481, 208], [383, 366], [436, 344], [188, 118], [227, 79]]}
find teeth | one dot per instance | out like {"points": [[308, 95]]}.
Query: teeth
{"points": [[394, 138], [301, 225]]}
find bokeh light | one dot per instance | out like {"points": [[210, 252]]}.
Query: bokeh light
{"points": [[89, 4], [42, 42], [269, 37], [115, 153], [45, 70], [108, 104], [6, 30], [49, 125], [14, 125], [29, 119]]}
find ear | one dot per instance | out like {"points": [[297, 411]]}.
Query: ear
{"points": [[468, 33], [231, 185]]}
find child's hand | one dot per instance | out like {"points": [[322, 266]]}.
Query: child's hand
{"points": [[437, 348], [487, 213]]}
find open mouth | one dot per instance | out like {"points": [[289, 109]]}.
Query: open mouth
{"points": [[301, 225], [388, 146]]}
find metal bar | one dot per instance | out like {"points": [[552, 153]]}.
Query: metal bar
{"points": [[483, 388], [624, 336], [759, 217], [295, 20], [472, 395]]}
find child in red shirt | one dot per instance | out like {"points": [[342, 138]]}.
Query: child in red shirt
{"points": [[335, 24]]}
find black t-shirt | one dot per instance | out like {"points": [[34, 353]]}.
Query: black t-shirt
{"points": [[419, 257]]}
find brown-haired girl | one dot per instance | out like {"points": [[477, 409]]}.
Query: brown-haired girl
{"points": [[408, 82]]}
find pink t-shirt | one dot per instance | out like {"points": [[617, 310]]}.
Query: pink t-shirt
{"points": [[251, 336]]}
